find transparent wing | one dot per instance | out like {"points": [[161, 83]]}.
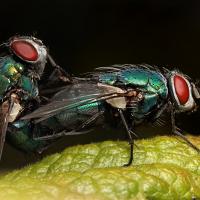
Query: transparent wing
{"points": [[74, 96], [120, 67], [5, 110]]}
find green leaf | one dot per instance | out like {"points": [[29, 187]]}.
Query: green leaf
{"points": [[163, 168]]}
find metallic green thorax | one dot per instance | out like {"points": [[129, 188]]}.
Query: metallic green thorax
{"points": [[12, 74], [151, 83]]}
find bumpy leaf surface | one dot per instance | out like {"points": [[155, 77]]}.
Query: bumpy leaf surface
{"points": [[163, 168]]}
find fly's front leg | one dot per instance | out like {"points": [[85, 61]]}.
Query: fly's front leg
{"points": [[131, 140], [177, 131], [58, 79], [58, 71]]}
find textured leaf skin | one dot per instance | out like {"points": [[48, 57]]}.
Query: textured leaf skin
{"points": [[163, 168]]}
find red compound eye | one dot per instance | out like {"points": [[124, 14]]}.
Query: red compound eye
{"points": [[182, 89], [24, 50]]}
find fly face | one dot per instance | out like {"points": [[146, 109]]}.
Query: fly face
{"points": [[182, 92], [29, 50]]}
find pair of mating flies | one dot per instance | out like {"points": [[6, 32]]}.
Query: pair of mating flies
{"points": [[124, 94]]}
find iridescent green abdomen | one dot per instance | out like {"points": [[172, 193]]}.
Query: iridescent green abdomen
{"points": [[81, 114], [22, 137]]}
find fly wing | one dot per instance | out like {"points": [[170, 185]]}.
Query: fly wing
{"points": [[5, 111], [76, 95], [117, 69]]}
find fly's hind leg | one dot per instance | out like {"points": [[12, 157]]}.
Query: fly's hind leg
{"points": [[177, 131], [130, 138]]}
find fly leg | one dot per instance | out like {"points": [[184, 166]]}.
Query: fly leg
{"points": [[177, 131], [61, 73], [56, 81], [130, 138]]}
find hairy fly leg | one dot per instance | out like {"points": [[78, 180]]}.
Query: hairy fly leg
{"points": [[177, 131], [56, 81], [62, 74], [130, 138]]}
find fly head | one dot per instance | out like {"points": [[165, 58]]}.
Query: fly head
{"points": [[183, 92], [29, 50]]}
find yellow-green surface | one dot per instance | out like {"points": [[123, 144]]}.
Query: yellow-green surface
{"points": [[163, 168]]}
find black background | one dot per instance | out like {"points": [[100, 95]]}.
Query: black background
{"points": [[82, 35]]}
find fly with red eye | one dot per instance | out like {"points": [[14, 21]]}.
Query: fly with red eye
{"points": [[127, 94], [33, 52], [121, 95], [22, 63]]}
